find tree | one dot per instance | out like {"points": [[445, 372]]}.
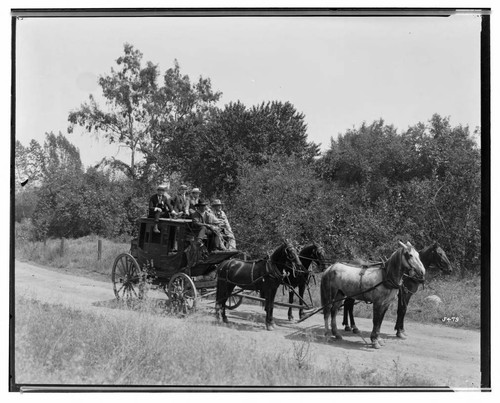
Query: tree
{"points": [[29, 163], [237, 135], [425, 182], [278, 199], [129, 92], [143, 116]]}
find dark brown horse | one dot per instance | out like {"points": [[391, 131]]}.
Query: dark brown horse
{"points": [[264, 275], [378, 285], [432, 257], [309, 254]]}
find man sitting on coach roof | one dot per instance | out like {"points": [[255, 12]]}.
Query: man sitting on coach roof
{"points": [[223, 224], [205, 224], [159, 206], [194, 197], [180, 202]]}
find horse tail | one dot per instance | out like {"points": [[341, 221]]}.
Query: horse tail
{"points": [[326, 291]]}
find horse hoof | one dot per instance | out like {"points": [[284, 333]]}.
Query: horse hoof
{"points": [[347, 329], [381, 342], [290, 318], [338, 337], [401, 335], [225, 320], [376, 345], [269, 326], [355, 330]]}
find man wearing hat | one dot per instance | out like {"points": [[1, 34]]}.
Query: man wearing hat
{"points": [[194, 197], [223, 224], [180, 202], [205, 224], [159, 206]]}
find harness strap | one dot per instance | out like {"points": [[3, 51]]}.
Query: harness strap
{"points": [[338, 300]]}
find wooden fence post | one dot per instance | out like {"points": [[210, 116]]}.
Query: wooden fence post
{"points": [[99, 249], [61, 250]]}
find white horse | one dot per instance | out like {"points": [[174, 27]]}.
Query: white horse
{"points": [[379, 285]]}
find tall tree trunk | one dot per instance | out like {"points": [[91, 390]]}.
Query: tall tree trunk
{"points": [[133, 145]]}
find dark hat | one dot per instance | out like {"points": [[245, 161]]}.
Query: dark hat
{"points": [[216, 202], [201, 203]]}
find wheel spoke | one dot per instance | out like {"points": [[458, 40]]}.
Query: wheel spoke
{"points": [[118, 291]]}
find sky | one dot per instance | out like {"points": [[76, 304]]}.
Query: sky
{"points": [[338, 71]]}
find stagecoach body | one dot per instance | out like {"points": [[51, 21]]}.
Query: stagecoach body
{"points": [[171, 260]]}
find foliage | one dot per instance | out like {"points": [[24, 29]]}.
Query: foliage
{"points": [[29, 164], [279, 199], [237, 135], [423, 185], [364, 195]]}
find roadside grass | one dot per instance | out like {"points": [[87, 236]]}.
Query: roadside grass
{"points": [[59, 345], [461, 298], [79, 256]]}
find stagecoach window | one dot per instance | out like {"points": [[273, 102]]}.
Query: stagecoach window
{"points": [[171, 236]]}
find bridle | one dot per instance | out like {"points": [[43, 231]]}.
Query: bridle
{"points": [[419, 279]]}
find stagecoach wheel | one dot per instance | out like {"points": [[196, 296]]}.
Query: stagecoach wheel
{"points": [[234, 301], [182, 294], [126, 276]]}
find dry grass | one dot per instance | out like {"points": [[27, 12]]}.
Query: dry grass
{"points": [[58, 345], [79, 256], [461, 298]]}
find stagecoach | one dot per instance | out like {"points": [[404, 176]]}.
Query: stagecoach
{"points": [[171, 260]]}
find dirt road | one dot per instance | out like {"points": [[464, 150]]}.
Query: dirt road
{"points": [[449, 356]]}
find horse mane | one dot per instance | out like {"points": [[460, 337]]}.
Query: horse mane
{"points": [[278, 252], [392, 268]]}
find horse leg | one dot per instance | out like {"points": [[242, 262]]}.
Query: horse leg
{"points": [[348, 313], [290, 301], [221, 301], [326, 314], [379, 311], [403, 300], [302, 288], [351, 316], [270, 325], [345, 321], [218, 299]]}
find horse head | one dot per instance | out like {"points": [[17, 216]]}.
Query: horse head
{"points": [[412, 265], [439, 259], [318, 255], [291, 255]]}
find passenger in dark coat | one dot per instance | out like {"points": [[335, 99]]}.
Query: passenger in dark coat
{"points": [[159, 206], [180, 202]]}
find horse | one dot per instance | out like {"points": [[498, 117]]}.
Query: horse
{"points": [[264, 275], [308, 254], [432, 256], [378, 285]]}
